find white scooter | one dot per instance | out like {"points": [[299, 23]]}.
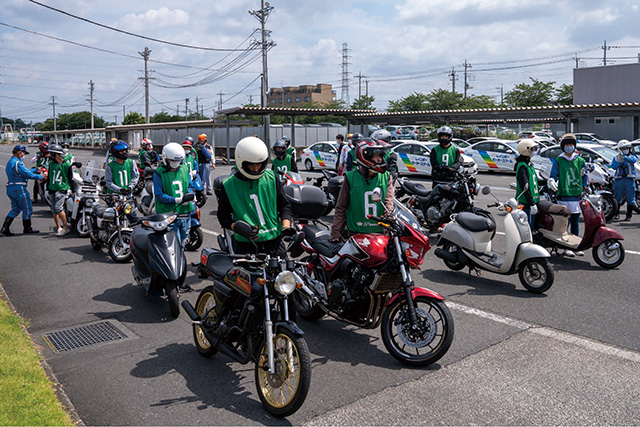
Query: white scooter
{"points": [[466, 241]]}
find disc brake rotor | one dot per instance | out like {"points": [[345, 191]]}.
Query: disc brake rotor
{"points": [[420, 335]]}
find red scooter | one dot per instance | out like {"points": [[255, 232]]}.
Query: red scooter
{"points": [[550, 230], [367, 282]]}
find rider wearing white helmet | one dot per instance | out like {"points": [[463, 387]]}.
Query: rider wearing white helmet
{"points": [[624, 184], [254, 194], [526, 179]]}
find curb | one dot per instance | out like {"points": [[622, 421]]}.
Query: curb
{"points": [[58, 388]]}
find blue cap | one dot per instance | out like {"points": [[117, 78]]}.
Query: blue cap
{"points": [[20, 148]]}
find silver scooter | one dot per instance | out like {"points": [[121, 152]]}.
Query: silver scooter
{"points": [[466, 242]]}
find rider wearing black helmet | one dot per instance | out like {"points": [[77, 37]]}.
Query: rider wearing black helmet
{"points": [[283, 161], [445, 157], [351, 155]]}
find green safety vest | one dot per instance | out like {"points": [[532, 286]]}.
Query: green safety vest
{"points": [[175, 184], [59, 176], [445, 156], [67, 157], [121, 174], [290, 151], [360, 204], [255, 202], [283, 165], [141, 159], [570, 176], [191, 160], [533, 184], [42, 161]]}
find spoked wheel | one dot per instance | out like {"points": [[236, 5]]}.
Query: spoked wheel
{"points": [[423, 344], [284, 391], [171, 289], [536, 275], [194, 240], [450, 247], [82, 226], [201, 198], [306, 308], [610, 207], [120, 249], [609, 254], [206, 309]]}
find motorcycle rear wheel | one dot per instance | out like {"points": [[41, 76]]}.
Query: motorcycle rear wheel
{"points": [[171, 289], [201, 198], [284, 392], [120, 250], [433, 336], [610, 207], [194, 240], [536, 275], [450, 247], [606, 257], [306, 308], [205, 307]]}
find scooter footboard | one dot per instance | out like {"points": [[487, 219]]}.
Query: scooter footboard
{"points": [[530, 250]]}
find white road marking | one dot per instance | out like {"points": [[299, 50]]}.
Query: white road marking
{"points": [[211, 232], [550, 333]]}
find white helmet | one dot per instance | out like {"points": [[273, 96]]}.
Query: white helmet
{"points": [[526, 147], [381, 135], [251, 150], [172, 155], [622, 144]]}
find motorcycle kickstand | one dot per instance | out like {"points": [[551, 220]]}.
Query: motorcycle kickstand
{"points": [[476, 270]]}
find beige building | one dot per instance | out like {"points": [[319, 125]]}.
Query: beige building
{"points": [[294, 96]]}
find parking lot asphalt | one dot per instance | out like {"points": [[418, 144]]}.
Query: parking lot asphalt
{"points": [[568, 357]]}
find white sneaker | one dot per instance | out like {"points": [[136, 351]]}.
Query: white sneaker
{"points": [[63, 231], [579, 253], [569, 253], [57, 230]]}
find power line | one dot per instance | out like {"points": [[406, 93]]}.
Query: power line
{"points": [[133, 34]]}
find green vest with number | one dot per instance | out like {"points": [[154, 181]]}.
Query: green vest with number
{"points": [[174, 184], [191, 160], [121, 174], [42, 161], [445, 156], [533, 184], [256, 203], [570, 176], [360, 203], [283, 165], [59, 176], [67, 157]]}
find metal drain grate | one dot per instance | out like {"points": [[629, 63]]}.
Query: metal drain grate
{"points": [[83, 336]]}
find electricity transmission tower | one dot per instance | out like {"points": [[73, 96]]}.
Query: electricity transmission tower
{"points": [[344, 94]]}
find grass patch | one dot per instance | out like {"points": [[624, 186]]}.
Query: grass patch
{"points": [[27, 396]]}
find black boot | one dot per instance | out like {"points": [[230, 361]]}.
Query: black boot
{"points": [[629, 213], [26, 227], [5, 227]]}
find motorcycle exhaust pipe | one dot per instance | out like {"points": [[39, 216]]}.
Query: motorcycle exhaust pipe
{"points": [[446, 255], [191, 312]]}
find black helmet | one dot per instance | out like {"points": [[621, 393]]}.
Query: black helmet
{"points": [[357, 137], [64, 144], [442, 132], [56, 149], [286, 140], [280, 148]]}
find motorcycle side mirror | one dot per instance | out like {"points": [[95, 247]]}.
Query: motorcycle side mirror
{"points": [[376, 195], [189, 197], [243, 229], [486, 190], [308, 179], [77, 164]]}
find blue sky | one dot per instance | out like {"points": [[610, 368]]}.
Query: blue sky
{"points": [[401, 47]]}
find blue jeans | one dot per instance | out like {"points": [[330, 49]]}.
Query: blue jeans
{"points": [[532, 218], [181, 226]]}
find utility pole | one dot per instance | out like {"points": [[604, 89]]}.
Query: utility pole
{"points": [[124, 114], [466, 65], [453, 77], [250, 99], [186, 108], [605, 48], [220, 102], [344, 93], [145, 54], [177, 109], [501, 94], [91, 87], [360, 77], [55, 123], [262, 15], [366, 85], [197, 108]]}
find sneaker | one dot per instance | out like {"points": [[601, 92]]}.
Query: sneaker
{"points": [[209, 193], [569, 253], [579, 253], [63, 231], [58, 230]]}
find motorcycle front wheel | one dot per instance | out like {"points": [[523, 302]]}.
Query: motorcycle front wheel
{"points": [[536, 275], [194, 240], [206, 309], [120, 249], [306, 308], [609, 254], [283, 392], [425, 344], [82, 226]]}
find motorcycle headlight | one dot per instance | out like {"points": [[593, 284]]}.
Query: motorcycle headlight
{"points": [[160, 225], [286, 282], [127, 208], [88, 202], [522, 217]]}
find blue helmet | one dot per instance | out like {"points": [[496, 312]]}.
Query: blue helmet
{"points": [[117, 149]]}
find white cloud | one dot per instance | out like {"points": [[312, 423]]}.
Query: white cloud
{"points": [[153, 19]]}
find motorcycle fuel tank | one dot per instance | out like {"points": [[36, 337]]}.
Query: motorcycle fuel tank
{"points": [[369, 249]]}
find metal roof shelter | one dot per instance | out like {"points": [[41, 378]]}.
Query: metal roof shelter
{"points": [[292, 112]]}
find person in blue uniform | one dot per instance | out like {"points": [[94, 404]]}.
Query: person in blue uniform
{"points": [[17, 177]]}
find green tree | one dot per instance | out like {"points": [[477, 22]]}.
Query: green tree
{"points": [[77, 120], [441, 99], [536, 94], [415, 102], [134, 118], [480, 101], [164, 117], [363, 103], [564, 95]]}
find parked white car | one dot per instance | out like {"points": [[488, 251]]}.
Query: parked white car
{"points": [[413, 159], [594, 138], [321, 155], [494, 155]]}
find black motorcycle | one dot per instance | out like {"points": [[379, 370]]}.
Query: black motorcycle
{"points": [[159, 263], [245, 315], [331, 190], [109, 225], [435, 207]]}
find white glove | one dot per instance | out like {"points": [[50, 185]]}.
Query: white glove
{"points": [[552, 184], [178, 200], [69, 193], [193, 174], [534, 209]]}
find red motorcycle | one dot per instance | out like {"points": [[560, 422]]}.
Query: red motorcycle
{"points": [[367, 282]]}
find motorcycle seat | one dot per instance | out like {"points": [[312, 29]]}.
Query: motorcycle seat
{"points": [[219, 263], [473, 222], [318, 238], [416, 188], [99, 209], [547, 207]]}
